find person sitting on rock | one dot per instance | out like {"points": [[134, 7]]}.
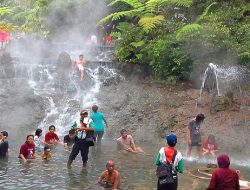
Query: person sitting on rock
{"points": [[209, 146], [110, 178], [126, 142], [80, 63]]}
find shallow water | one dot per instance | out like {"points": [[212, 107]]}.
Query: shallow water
{"points": [[137, 170]]}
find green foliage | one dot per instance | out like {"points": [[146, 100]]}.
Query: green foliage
{"points": [[150, 23], [5, 10], [187, 29]]}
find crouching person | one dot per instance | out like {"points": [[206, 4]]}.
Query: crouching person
{"points": [[110, 178], [169, 162]]}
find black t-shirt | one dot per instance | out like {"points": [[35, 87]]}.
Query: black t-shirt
{"points": [[68, 140], [4, 146]]}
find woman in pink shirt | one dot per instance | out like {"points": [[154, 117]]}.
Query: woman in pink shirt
{"points": [[27, 150]]}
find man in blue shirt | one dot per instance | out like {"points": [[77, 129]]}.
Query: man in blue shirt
{"points": [[99, 120]]}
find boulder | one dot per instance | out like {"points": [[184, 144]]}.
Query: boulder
{"points": [[7, 70], [220, 103]]}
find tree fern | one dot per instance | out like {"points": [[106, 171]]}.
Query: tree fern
{"points": [[206, 11], [186, 30], [118, 15], [153, 5], [149, 23], [133, 3], [5, 10]]}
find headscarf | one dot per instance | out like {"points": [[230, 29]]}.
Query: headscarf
{"points": [[223, 161]]}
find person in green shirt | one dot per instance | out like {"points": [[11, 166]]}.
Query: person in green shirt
{"points": [[99, 121], [83, 126], [165, 155]]}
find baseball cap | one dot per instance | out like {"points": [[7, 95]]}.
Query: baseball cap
{"points": [[171, 139]]}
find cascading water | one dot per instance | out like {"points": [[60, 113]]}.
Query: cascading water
{"points": [[225, 78]]}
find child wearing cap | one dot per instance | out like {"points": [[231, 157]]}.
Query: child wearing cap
{"points": [[46, 155], [167, 155]]}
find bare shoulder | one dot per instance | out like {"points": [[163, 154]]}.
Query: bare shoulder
{"points": [[119, 139]]}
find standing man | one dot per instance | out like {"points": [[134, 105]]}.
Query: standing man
{"points": [[99, 120], [170, 155], [81, 64], [194, 135], [83, 126]]}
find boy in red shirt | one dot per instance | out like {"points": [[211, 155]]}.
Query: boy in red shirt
{"points": [[51, 137]]}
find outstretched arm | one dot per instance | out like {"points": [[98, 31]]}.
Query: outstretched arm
{"points": [[98, 181]]}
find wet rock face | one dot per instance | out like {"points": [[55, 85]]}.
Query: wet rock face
{"points": [[21, 110], [220, 103], [7, 70], [64, 61]]}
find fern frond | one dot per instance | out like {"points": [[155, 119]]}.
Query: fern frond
{"points": [[137, 44], [123, 26], [105, 19], [206, 11], [133, 3], [186, 30], [153, 5], [5, 10], [130, 13], [116, 34], [149, 23], [118, 15]]}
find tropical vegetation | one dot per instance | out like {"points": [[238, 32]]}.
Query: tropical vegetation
{"points": [[170, 36]]}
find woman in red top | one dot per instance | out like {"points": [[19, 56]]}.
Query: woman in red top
{"points": [[224, 178], [27, 150], [51, 137]]}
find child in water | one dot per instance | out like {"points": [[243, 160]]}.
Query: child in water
{"points": [[46, 155], [209, 146]]}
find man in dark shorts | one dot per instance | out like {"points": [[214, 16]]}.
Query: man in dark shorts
{"points": [[69, 139], [194, 135], [83, 126]]}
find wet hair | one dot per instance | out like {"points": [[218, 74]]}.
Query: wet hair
{"points": [[123, 130], [200, 117], [72, 131], [94, 108], [5, 133], [110, 161], [38, 132], [81, 55], [29, 136], [211, 137], [84, 112], [52, 126], [46, 148]]}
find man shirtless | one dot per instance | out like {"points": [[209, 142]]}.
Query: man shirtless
{"points": [[126, 142], [110, 178], [80, 63]]}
